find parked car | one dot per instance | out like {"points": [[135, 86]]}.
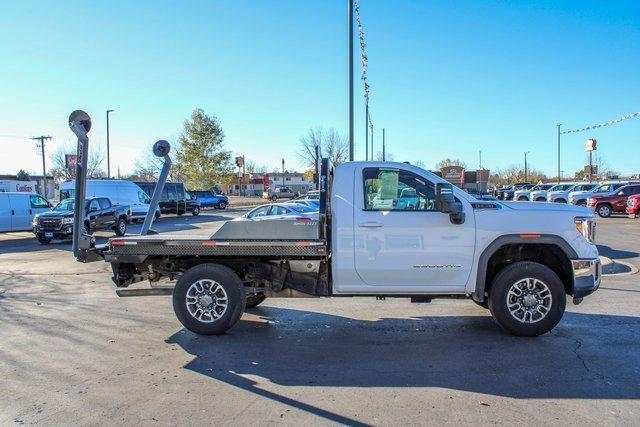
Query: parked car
{"points": [[616, 202], [119, 192], [193, 204], [312, 203], [541, 195], [523, 195], [633, 206], [278, 211], [208, 199], [579, 198], [312, 195], [173, 198], [508, 193], [562, 196], [280, 193], [100, 214], [17, 210]]}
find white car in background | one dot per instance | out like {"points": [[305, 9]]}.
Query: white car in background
{"points": [[580, 197], [525, 194], [541, 195], [562, 196], [276, 211]]}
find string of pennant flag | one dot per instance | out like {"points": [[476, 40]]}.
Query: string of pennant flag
{"points": [[364, 61], [610, 122]]}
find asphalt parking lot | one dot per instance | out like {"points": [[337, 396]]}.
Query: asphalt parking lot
{"points": [[74, 353]]}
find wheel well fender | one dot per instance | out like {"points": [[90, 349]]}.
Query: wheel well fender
{"points": [[550, 250]]}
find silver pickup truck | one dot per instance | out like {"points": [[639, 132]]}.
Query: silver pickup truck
{"points": [[280, 193]]}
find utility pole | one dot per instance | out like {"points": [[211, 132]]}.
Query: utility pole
{"points": [[559, 153], [42, 139], [108, 158], [383, 153], [373, 153], [366, 132], [480, 155], [350, 43], [315, 165], [525, 166], [283, 172]]}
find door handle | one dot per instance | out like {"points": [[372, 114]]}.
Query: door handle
{"points": [[370, 224], [13, 212]]}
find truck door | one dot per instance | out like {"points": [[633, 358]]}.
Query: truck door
{"points": [[20, 208], [5, 213], [94, 214], [107, 213], [401, 241]]}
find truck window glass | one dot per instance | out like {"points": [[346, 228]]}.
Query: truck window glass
{"points": [[67, 194], [94, 205], [180, 192], [143, 198], [104, 203], [390, 189], [38, 202], [261, 211]]}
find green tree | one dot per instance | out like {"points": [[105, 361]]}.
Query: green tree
{"points": [[201, 156], [23, 175]]}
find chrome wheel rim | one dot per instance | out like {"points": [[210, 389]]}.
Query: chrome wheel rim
{"points": [[529, 300], [206, 300], [604, 210], [123, 226]]}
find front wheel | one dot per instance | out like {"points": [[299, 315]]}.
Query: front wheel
{"points": [[121, 227], [560, 201], [195, 211], [209, 299], [604, 210], [274, 198], [527, 299], [582, 203], [522, 199], [222, 205]]}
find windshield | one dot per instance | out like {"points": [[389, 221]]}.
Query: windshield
{"points": [[65, 205], [606, 188]]}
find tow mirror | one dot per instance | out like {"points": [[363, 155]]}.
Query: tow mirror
{"points": [[447, 203]]}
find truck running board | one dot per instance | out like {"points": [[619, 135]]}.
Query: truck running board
{"points": [[143, 292]]}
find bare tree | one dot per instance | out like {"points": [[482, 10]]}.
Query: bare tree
{"points": [[335, 147], [94, 163], [330, 143], [450, 162], [308, 144], [388, 157], [250, 166]]}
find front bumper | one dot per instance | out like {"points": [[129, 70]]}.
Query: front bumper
{"points": [[66, 232], [587, 274]]}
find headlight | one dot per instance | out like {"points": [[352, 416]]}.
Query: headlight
{"points": [[586, 227], [67, 220], [35, 221]]}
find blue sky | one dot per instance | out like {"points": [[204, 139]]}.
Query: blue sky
{"points": [[448, 78]]}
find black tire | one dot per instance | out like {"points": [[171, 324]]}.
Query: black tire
{"points": [[228, 280], [179, 213], [221, 205], [195, 211], [121, 227], [604, 210], [43, 241], [523, 199], [274, 198], [499, 292], [560, 201], [541, 199], [255, 300], [582, 203]]}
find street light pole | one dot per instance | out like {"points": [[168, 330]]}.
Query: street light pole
{"points": [[108, 158], [366, 132], [383, 153], [559, 153], [283, 172], [350, 43], [525, 166]]}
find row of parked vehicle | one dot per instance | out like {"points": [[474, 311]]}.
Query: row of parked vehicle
{"points": [[111, 204], [604, 198]]}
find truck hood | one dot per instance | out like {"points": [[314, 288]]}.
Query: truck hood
{"points": [[548, 207], [56, 214]]}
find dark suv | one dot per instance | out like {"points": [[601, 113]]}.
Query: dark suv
{"points": [[100, 214], [173, 198], [616, 202]]}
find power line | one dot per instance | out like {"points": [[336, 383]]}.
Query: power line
{"points": [[42, 140], [610, 122]]}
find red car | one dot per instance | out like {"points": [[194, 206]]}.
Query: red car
{"points": [[633, 206], [616, 202]]}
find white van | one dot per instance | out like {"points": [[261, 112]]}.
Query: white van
{"points": [[120, 192], [18, 209]]}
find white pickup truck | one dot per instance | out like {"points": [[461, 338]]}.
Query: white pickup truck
{"points": [[384, 230]]}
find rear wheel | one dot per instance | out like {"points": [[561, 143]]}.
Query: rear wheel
{"points": [[541, 199], [222, 205], [274, 198], [523, 198], [582, 203], [195, 211], [560, 201], [121, 227], [209, 299], [527, 299], [604, 210]]}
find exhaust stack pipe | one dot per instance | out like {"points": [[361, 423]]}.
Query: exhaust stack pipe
{"points": [[80, 124]]}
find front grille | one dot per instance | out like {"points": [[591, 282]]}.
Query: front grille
{"points": [[50, 224]]}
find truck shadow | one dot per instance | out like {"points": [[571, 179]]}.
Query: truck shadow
{"points": [[470, 353], [609, 252]]}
